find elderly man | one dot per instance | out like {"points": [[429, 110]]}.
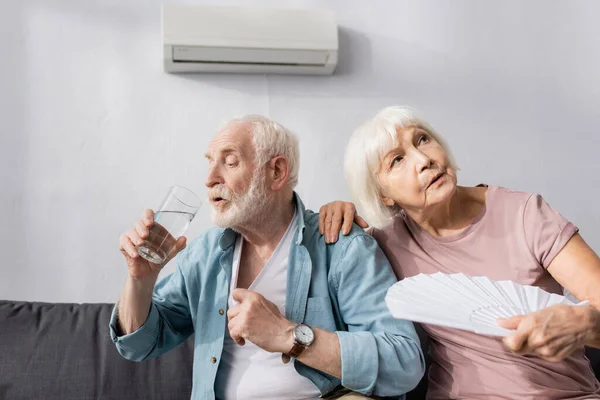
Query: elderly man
{"points": [[265, 289]]}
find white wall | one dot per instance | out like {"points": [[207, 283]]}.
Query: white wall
{"points": [[92, 130]]}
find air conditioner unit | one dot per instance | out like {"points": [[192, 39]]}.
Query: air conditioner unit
{"points": [[248, 40]]}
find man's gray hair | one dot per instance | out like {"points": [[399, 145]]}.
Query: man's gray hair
{"points": [[272, 139], [364, 153]]}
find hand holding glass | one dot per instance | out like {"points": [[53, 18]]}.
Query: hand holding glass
{"points": [[171, 220]]}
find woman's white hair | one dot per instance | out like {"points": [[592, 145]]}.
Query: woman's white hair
{"points": [[272, 139], [364, 153]]}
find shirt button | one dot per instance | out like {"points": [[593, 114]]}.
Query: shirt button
{"points": [[213, 360], [221, 311]]}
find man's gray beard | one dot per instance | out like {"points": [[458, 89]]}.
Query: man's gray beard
{"points": [[251, 208]]}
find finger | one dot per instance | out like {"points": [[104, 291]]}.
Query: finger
{"points": [[148, 217], [235, 334], [239, 340], [236, 337], [127, 248], [322, 215], [179, 245], [545, 352], [510, 323], [361, 222], [549, 345], [335, 227], [538, 339], [134, 237], [564, 352], [328, 220], [349, 213], [516, 341], [233, 312], [540, 334], [240, 295], [141, 229], [128, 258], [552, 350]]}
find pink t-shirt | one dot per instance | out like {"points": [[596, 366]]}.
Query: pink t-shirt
{"points": [[515, 237]]}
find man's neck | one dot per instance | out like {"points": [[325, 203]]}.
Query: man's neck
{"points": [[267, 232]]}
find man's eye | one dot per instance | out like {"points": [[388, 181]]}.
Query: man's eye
{"points": [[231, 161]]}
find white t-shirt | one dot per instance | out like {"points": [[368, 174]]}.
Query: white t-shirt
{"points": [[248, 372]]}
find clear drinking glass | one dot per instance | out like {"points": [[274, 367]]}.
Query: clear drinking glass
{"points": [[170, 222]]}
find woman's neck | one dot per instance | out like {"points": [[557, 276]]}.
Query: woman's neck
{"points": [[451, 217]]}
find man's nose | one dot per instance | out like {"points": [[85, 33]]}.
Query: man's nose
{"points": [[214, 177]]}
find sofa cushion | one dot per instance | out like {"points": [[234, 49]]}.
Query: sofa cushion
{"points": [[64, 351]]}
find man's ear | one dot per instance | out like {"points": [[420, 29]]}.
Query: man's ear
{"points": [[279, 172]]}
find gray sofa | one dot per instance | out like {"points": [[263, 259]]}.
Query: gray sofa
{"points": [[64, 352]]}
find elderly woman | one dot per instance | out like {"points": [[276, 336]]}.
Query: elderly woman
{"points": [[404, 182]]}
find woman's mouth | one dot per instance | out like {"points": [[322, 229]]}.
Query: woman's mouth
{"points": [[438, 179]]}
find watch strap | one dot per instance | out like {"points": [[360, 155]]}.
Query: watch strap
{"points": [[296, 350]]}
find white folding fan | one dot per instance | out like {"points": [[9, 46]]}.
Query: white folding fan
{"points": [[468, 303]]}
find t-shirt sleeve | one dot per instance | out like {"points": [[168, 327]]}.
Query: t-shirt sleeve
{"points": [[546, 231]]}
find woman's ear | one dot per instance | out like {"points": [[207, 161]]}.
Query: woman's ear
{"points": [[388, 201], [385, 198]]}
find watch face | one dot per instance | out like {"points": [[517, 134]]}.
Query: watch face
{"points": [[304, 334]]}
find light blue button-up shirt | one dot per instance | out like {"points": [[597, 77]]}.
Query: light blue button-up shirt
{"points": [[337, 287]]}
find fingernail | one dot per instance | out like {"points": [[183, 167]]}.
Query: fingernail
{"points": [[148, 221]]}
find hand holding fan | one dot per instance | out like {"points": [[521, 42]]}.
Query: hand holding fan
{"points": [[468, 303]]}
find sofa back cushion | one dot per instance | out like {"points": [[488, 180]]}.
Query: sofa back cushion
{"points": [[64, 351]]}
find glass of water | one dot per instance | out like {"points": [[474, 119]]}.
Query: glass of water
{"points": [[170, 222]]}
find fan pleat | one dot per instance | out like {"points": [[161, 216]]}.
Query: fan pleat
{"points": [[463, 302]]}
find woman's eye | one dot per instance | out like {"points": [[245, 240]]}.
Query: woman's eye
{"points": [[423, 139], [396, 160]]}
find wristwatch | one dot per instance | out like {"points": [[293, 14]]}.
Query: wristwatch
{"points": [[304, 336]]}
